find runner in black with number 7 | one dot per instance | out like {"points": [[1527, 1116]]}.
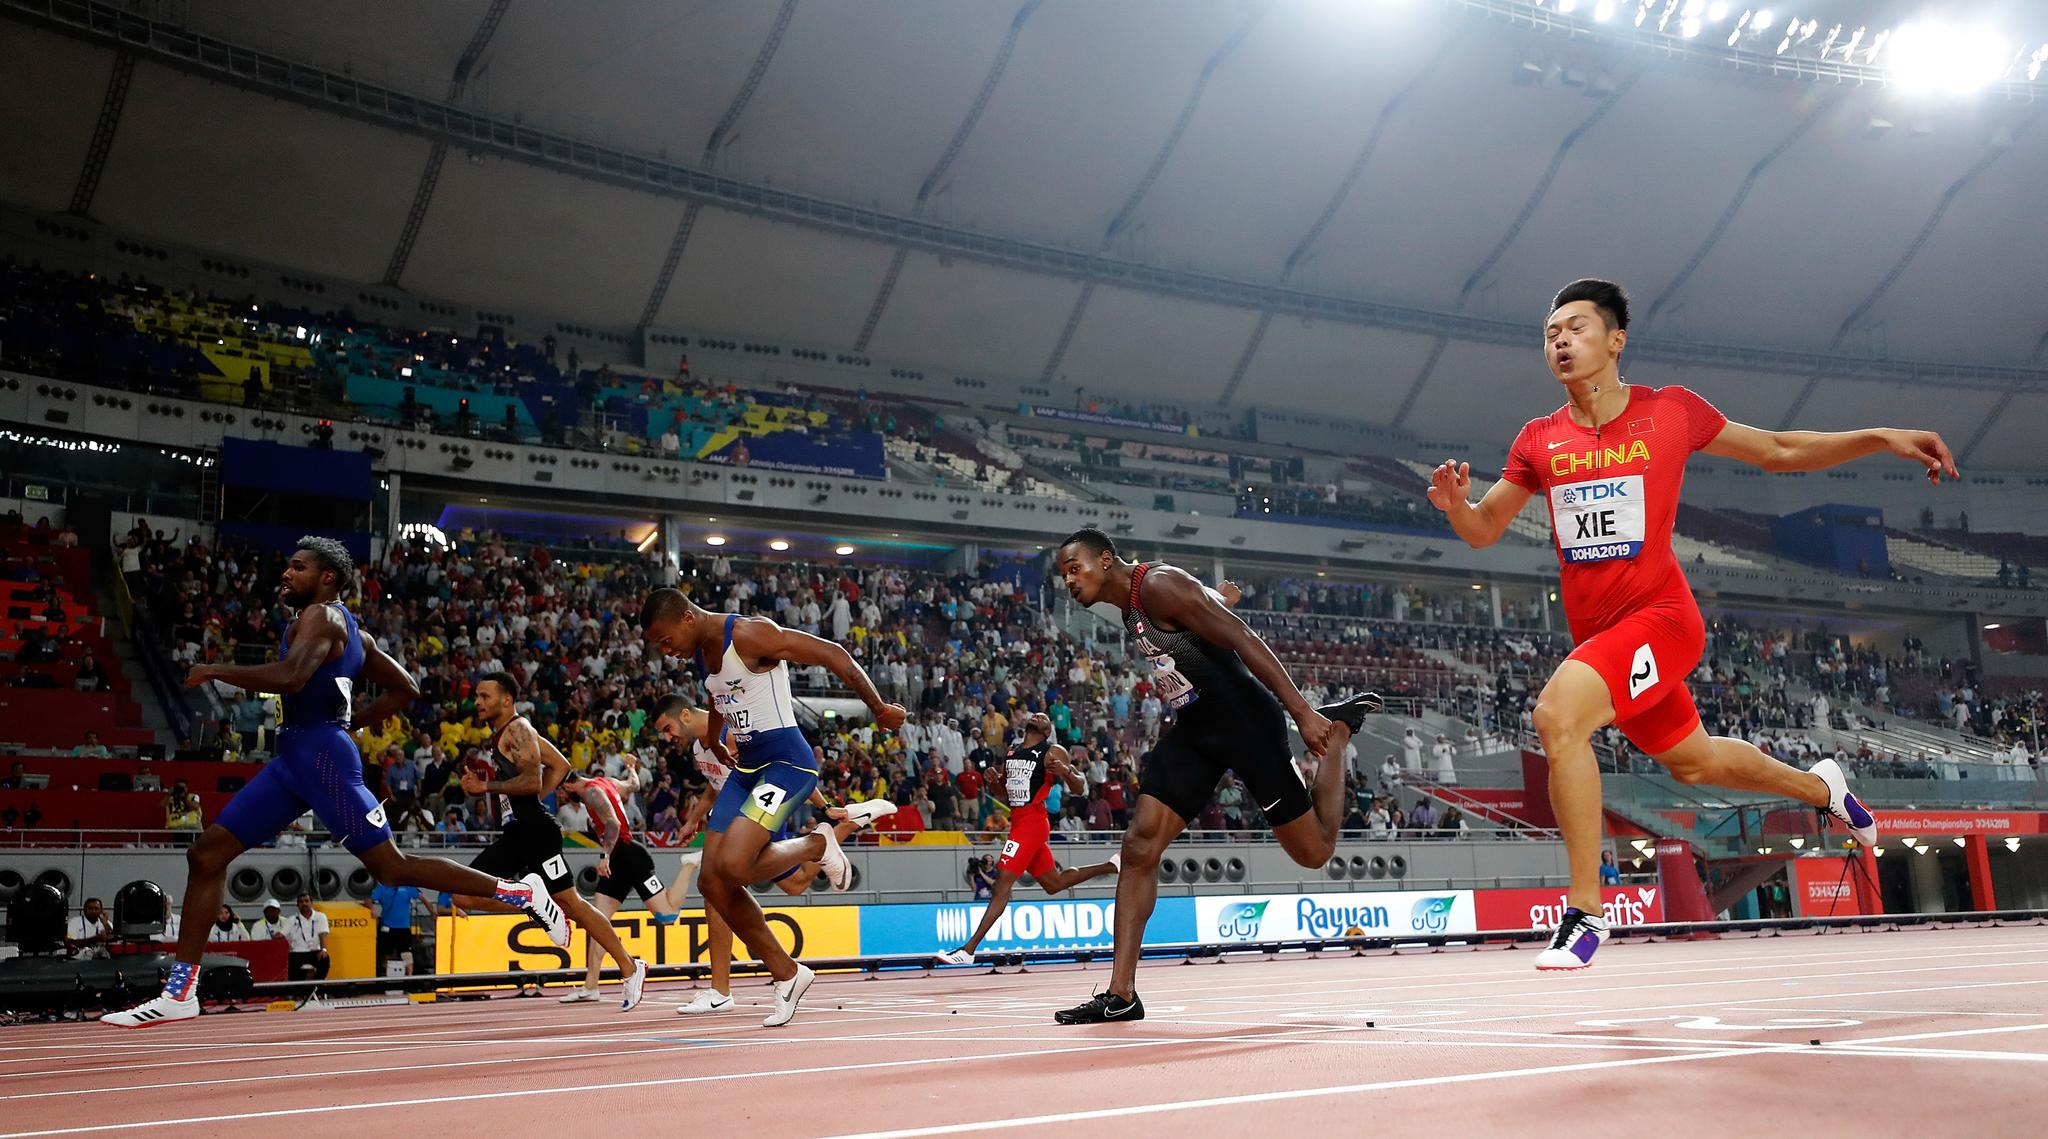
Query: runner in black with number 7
{"points": [[1231, 700], [528, 768]]}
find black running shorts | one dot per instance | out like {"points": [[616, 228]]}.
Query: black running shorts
{"points": [[632, 872], [1246, 736], [528, 847]]}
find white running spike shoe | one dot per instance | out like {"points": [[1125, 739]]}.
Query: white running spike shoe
{"points": [[1843, 805], [710, 1000], [787, 994], [1575, 941], [636, 984], [837, 867], [162, 1009]]}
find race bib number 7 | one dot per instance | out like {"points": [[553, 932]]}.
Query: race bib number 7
{"points": [[1600, 519]]}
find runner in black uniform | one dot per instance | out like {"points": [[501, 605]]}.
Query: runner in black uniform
{"points": [[1231, 700], [528, 767], [1027, 779]]}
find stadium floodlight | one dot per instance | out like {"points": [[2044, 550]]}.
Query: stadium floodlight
{"points": [[1936, 57], [842, 551], [1603, 11], [715, 540], [1761, 22], [2012, 843], [1717, 11], [1690, 28], [779, 545], [1959, 840], [1567, 7]]}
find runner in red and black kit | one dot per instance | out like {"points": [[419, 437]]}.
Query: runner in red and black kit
{"points": [[1231, 700], [1027, 778], [1611, 462], [626, 868]]}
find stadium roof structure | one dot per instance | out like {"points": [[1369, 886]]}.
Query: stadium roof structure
{"points": [[1326, 203]]}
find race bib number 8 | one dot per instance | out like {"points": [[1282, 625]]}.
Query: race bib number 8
{"points": [[1600, 519]]}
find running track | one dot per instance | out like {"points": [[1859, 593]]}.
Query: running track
{"points": [[1927, 1032]]}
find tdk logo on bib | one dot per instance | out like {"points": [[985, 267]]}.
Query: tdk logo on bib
{"points": [[1598, 520]]}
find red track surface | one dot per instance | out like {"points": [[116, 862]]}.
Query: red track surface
{"points": [[1923, 1032]]}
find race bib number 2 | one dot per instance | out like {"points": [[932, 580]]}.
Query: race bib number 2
{"points": [[1600, 519]]}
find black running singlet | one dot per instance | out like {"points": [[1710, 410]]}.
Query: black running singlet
{"points": [[1185, 668], [518, 808], [1026, 777]]}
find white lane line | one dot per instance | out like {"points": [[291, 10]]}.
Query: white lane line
{"points": [[935, 1037], [1707, 964], [1290, 1094], [1946, 1035], [622, 1085]]}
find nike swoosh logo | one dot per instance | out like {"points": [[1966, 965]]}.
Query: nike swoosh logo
{"points": [[1113, 1015], [1556, 445], [1272, 804]]}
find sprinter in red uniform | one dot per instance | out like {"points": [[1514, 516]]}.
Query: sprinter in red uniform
{"points": [[1028, 775], [1611, 462]]}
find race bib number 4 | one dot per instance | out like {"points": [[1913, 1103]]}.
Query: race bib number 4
{"points": [[1600, 519]]}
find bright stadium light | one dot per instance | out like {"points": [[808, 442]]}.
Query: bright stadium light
{"points": [[715, 540], [1945, 58], [1604, 11], [842, 551], [779, 545], [1761, 22], [1717, 11]]}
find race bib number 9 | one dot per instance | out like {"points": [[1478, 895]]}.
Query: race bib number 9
{"points": [[1600, 519]]}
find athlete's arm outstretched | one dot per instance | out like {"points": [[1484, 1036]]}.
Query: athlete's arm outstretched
{"points": [[760, 640], [315, 635], [400, 689], [1480, 523], [1819, 450], [1171, 595]]}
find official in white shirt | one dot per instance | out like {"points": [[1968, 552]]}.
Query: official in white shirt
{"points": [[305, 936]]}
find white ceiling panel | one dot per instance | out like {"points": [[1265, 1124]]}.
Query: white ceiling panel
{"points": [[1137, 342], [746, 275], [220, 169], [971, 318], [513, 236]]}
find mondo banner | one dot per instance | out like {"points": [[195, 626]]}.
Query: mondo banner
{"points": [[1543, 909], [1222, 919], [1078, 924], [497, 943]]}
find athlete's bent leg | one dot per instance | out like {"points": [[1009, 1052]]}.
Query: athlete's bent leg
{"points": [[800, 882], [1571, 707], [1739, 765], [1153, 828], [998, 901], [393, 867], [738, 848], [598, 926], [1311, 839], [206, 875], [593, 953], [1073, 876]]}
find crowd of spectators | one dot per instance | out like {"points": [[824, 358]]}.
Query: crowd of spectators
{"points": [[969, 653]]}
